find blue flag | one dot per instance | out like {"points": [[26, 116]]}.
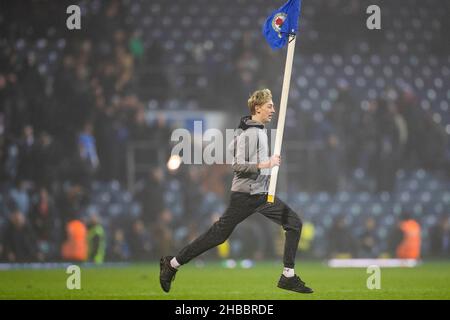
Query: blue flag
{"points": [[281, 23]]}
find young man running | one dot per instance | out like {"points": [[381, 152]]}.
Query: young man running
{"points": [[251, 166]]}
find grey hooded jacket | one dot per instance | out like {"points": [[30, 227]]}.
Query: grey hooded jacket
{"points": [[249, 148]]}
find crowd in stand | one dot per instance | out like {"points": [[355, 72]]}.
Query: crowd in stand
{"points": [[64, 126], [382, 137]]}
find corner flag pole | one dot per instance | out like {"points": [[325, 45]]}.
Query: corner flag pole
{"points": [[282, 116]]}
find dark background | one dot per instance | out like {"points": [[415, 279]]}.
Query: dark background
{"points": [[85, 125]]}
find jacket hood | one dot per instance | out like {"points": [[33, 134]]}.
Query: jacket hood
{"points": [[247, 122]]}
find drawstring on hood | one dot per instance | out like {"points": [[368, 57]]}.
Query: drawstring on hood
{"points": [[247, 122], [250, 148]]}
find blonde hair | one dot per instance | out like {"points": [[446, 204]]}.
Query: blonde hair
{"points": [[258, 98]]}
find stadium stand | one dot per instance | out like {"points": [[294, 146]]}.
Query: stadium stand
{"points": [[375, 105]]}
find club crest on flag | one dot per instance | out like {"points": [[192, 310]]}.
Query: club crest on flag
{"points": [[282, 24], [277, 22]]}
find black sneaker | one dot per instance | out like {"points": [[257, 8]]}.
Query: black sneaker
{"points": [[166, 273], [294, 284]]}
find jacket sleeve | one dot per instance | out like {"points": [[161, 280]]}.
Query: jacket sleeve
{"points": [[245, 160]]}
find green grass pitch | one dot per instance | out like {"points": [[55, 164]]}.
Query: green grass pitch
{"points": [[430, 280]]}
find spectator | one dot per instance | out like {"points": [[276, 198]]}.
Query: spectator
{"points": [[19, 242], [71, 202], [387, 146], [340, 241], [194, 193], [402, 131], [163, 232], [136, 45], [410, 110], [440, 238], [140, 130], [20, 197], [151, 197], [155, 81], [45, 223], [27, 154], [306, 245], [369, 242], [368, 139], [125, 64], [119, 148], [75, 247], [345, 118], [120, 250], [47, 156], [161, 132], [87, 147], [405, 239], [330, 171], [80, 170], [2, 144], [141, 245], [434, 153], [96, 240], [104, 129]]}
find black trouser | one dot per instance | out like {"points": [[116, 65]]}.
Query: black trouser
{"points": [[242, 205]]}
